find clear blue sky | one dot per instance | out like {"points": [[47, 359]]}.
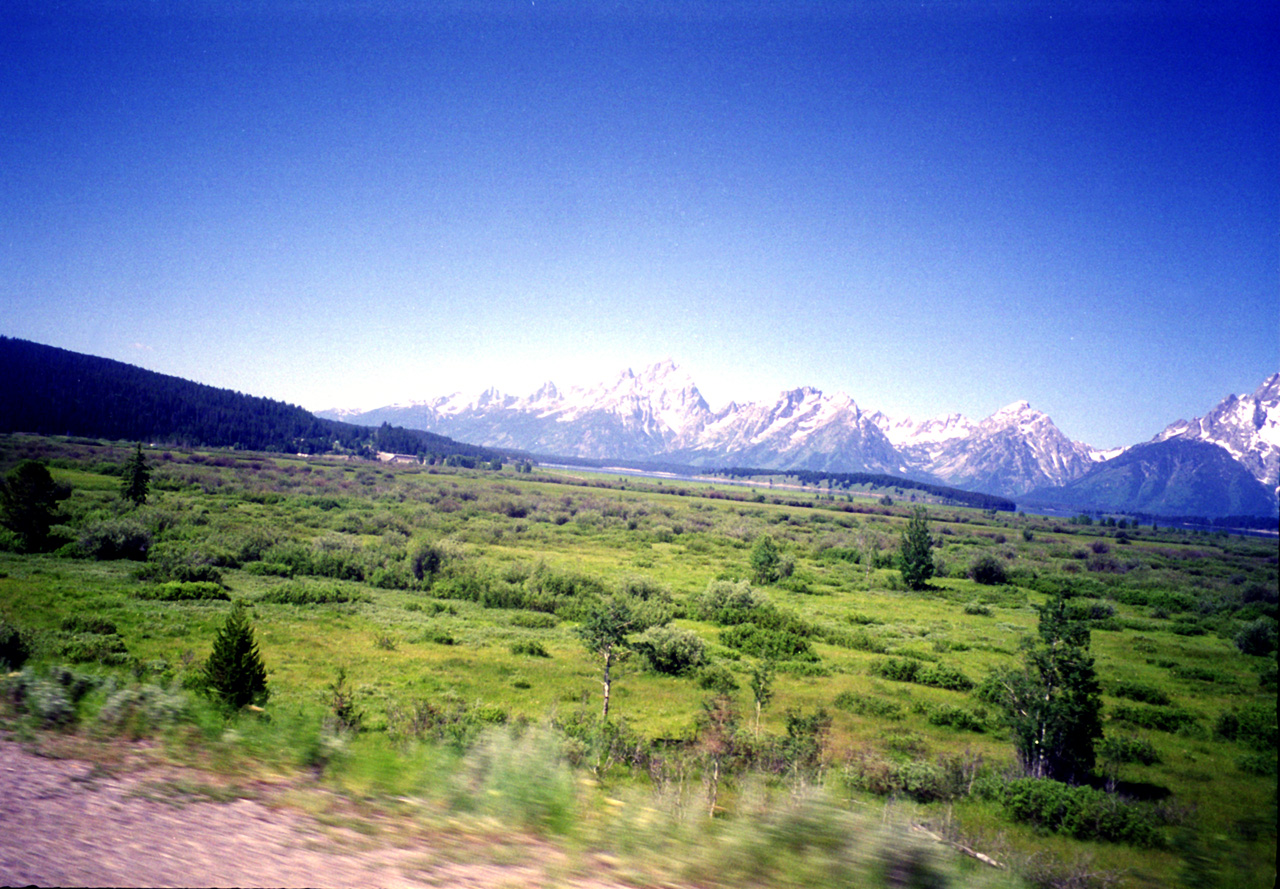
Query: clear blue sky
{"points": [[931, 207]]}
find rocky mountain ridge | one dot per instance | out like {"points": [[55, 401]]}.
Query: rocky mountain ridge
{"points": [[659, 413]]}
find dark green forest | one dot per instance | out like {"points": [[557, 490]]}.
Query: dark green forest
{"points": [[51, 391]]}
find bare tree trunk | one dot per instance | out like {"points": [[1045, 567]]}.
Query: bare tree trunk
{"points": [[608, 681], [715, 786]]}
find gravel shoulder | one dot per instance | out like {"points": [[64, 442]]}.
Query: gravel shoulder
{"points": [[69, 822]]}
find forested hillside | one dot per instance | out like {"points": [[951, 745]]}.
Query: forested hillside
{"points": [[53, 391]]}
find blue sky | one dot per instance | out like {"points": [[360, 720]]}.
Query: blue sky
{"points": [[931, 207]]}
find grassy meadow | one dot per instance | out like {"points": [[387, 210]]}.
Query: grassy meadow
{"points": [[418, 627]]}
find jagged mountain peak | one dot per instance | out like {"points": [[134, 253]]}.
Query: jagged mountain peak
{"points": [[1246, 426]]}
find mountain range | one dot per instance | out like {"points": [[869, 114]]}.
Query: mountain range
{"points": [[1224, 463]]}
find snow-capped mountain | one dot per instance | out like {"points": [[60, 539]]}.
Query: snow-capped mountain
{"points": [[802, 429], [1246, 426], [1011, 452], [659, 414]]}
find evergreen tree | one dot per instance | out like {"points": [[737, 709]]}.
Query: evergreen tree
{"points": [[1053, 705], [234, 672], [916, 559], [135, 478], [29, 500]]}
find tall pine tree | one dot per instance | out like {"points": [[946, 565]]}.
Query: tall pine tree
{"points": [[135, 478]]}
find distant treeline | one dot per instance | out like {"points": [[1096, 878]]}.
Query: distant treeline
{"points": [[1222, 523], [51, 391], [874, 480]]}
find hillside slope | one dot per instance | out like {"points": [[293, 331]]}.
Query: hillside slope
{"points": [[53, 391]]}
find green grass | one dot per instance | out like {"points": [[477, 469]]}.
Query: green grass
{"points": [[354, 527]]}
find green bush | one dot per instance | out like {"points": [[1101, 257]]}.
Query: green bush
{"points": [[1253, 725], [1081, 812], [80, 623], [775, 645], [304, 593], [717, 678], [269, 569], [49, 699], [15, 646], [533, 620], [529, 647], [115, 539], [671, 650], [1257, 637], [184, 591], [957, 718], [988, 570], [108, 649], [869, 705], [142, 710], [911, 670], [1161, 719], [727, 602], [1127, 749], [426, 561]]}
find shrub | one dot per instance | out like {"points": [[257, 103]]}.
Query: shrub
{"points": [[957, 718], [775, 645], [944, 676], [530, 647], [1257, 637], [988, 570], [344, 714], [978, 609], [15, 646], [725, 601], [141, 710], [49, 699], [868, 705], [115, 539], [184, 591], [911, 670], [897, 669], [671, 650], [717, 678], [79, 623], [1127, 749], [303, 593], [1081, 812], [534, 620], [96, 648], [1253, 725], [234, 673], [426, 561]]}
